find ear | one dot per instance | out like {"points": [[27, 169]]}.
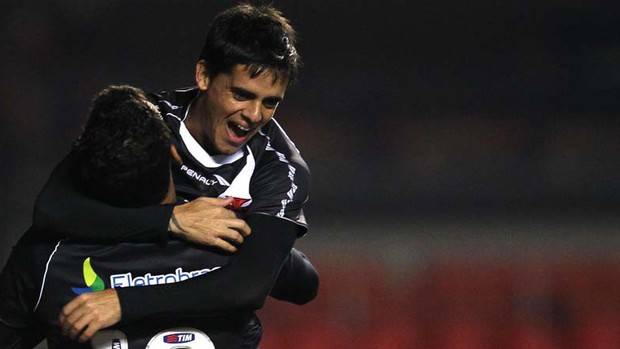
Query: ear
{"points": [[175, 155], [202, 75]]}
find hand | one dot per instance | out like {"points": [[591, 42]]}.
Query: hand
{"points": [[88, 313], [207, 221]]}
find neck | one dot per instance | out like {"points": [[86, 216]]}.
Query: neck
{"points": [[194, 125], [192, 122], [171, 195]]}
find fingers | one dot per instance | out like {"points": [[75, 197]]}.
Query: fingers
{"points": [[208, 221], [241, 226], [88, 313], [74, 318], [224, 245], [68, 309], [88, 332], [232, 230], [223, 202], [229, 238], [70, 314]]}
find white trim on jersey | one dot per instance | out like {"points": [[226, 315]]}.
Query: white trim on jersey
{"points": [[174, 116], [198, 151], [172, 106], [186, 89], [275, 122], [45, 275], [240, 186], [291, 174], [201, 155]]}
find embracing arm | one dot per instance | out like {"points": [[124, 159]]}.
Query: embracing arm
{"points": [[298, 281], [63, 209], [14, 338], [18, 328], [243, 284]]}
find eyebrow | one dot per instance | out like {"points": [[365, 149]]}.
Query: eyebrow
{"points": [[251, 95], [243, 92]]}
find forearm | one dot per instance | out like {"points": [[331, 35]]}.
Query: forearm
{"points": [[14, 338], [298, 281], [244, 284], [62, 210], [17, 325]]}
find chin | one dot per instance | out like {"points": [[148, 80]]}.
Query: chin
{"points": [[228, 150]]}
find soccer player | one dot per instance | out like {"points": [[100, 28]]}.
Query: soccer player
{"points": [[123, 158], [231, 148]]}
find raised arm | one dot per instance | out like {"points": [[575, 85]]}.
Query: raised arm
{"points": [[298, 281], [19, 338], [243, 285], [18, 328], [62, 209]]}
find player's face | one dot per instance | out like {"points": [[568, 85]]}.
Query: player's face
{"points": [[232, 107]]}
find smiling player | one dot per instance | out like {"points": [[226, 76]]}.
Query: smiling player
{"points": [[233, 153]]}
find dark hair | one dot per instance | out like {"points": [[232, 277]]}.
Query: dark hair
{"points": [[124, 149], [257, 36]]}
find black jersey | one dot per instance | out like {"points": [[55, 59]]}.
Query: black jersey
{"points": [[40, 278], [267, 176], [269, 180]]}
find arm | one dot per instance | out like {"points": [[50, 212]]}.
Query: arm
{"points": [[279, 191], [298, 281], [63, 209], [13, 338], [18, 329], [243, 285]]}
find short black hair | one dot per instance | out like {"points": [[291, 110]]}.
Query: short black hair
{"points": [[257, 36], [124, 149]]}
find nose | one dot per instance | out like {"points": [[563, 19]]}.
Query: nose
{"points": [[253, 112]]}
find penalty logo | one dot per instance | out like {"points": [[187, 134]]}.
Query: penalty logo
{"points": [[91, 279]]}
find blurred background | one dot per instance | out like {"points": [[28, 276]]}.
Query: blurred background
{"points": [[465, 156]]}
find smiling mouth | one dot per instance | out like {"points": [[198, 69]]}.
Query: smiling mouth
{"points": [[238, 130]]}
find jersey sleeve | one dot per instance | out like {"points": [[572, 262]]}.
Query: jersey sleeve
{"points": [[280, 183], [63, 210], [20, 282], [243, 285], [19, 338], [16, 290], [298, 280]]}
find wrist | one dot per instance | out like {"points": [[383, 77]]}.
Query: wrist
{"points": [[175, 227]]}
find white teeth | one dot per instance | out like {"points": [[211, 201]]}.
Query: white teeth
{"points": [[243, 128]]}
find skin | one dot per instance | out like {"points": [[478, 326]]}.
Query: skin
{"points": [[229, 110], [225, 103], [229, 100], [206, 221], [87, 313]]}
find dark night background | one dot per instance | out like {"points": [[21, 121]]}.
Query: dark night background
{"points": [[435, 130]]}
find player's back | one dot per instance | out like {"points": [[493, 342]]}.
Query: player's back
{"points": [[53, 273]]}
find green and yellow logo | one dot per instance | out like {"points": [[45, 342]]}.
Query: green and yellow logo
{"points": [[92, 280]]}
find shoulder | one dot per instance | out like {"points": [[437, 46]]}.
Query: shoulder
{"points": [[272, 144], [281, 172], [173, 102], [173, 105]]}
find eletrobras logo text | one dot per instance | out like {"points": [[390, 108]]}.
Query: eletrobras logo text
{"points": [[95, 283], [128, 279]]}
